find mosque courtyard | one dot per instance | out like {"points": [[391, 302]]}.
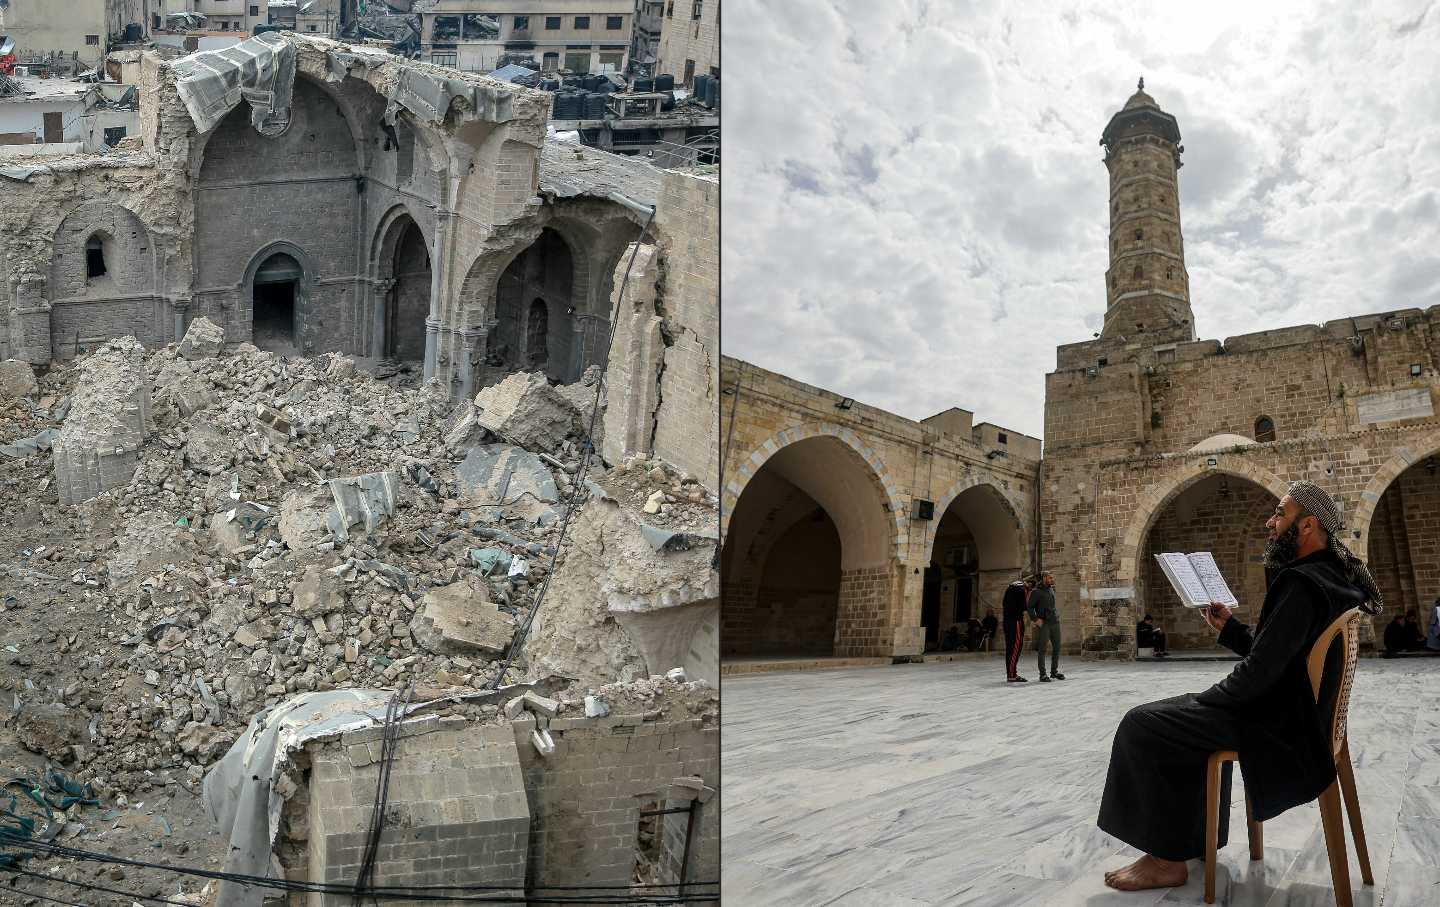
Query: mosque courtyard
{"points": [[939, 784]]}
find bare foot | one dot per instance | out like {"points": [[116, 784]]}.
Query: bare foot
{"points": [[1148, 872]]}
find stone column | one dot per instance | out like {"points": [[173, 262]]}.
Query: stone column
{"points": [[437, 290], [179, 309], [473, 344], [576, 366], [381, 290], [35, 345]]}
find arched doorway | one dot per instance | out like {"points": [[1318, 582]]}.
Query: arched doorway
{"points": [[408, 303], [1221, 513], [534, 310], [274, 293], [807, 565], [1403, 541], [976, 552]]}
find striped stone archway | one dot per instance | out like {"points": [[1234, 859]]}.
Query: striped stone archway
{"points": [[1359, 522], [1191, 470], [1006, 498], [739, 475]]}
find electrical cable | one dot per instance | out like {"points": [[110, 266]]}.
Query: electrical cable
{"points": [[60, 850]]}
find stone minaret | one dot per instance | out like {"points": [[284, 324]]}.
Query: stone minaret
{"points": [[1147, 292]]}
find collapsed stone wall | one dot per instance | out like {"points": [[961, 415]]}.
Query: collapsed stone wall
{"points": [[99, 443]]}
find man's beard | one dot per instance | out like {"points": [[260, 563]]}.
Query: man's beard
{"points": [[1281, 551]]}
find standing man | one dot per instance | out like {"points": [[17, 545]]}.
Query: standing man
{"points": [[1012, 613], [1041, 606]]}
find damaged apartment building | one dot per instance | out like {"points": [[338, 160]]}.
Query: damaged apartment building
{"points": [[309, 393]]}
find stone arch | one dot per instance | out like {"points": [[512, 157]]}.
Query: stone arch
{"points": [[746, 468], [1363, 514], [129, 249], [813, 499], [1002, 498], [303, 289], [200, 147], [1150, 504], [402, 263]]}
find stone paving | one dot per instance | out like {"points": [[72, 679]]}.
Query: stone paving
{"points": [[940, 784]]}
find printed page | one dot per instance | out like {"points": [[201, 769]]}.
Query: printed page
{"points": [[1182, 576], [1209, 572]]}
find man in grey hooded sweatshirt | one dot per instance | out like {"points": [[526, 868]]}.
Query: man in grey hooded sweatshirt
{"points": [[1047, 625]]}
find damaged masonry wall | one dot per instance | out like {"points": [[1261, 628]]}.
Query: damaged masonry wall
{"points": [[430, 182], [474, 801]]}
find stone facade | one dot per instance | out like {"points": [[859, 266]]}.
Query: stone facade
{"points": [[374, 224], [477, 804], [689, 33], [1156, 441], [816, 480]]}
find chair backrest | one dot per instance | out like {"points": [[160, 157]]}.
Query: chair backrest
{"points": [[1347, 624]]}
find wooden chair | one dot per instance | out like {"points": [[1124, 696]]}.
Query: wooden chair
{"points": [[1347, 624]]}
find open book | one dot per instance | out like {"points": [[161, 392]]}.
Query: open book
{"points": [[1196, 579]]}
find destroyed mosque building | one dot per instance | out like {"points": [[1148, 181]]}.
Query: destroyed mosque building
{"points": [[314, 358]]}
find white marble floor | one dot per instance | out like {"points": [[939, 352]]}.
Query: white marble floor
{"points": [[941, 784]]}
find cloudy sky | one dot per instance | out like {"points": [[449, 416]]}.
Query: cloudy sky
{"points": [[915, 204]]}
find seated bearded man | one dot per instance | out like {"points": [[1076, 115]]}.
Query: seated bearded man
{"points": [[1154, 796]]}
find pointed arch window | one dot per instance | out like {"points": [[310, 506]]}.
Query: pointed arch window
{"points": [[1264, 429], [1139, 273], [95, 257]]}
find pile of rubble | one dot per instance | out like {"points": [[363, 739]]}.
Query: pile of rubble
{"points": [[282, 526]]}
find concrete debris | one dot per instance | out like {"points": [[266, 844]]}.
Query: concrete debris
{"points": [[463, 429], [525, 410], [544, 743], [512, 480], [203, 339], [622, 605], [318, 593], [459, 618], [304, 518], [207, 450], [17, 380], [595, 707]]}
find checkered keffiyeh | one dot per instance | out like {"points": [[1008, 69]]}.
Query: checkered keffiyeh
{"points": [[1314, 501]]}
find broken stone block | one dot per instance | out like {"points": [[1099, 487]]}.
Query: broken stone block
{"points": [[303, 515], [515, 707], [207, 450], [17, 380], [509, 481], [652, 504], [273, 423], [540, 705], [203, 339], [317, 593], [99, 444], [24, 447], [204, 742], [245, 637], [462, 429], [460, 618], [525, 410], [368, 499]]}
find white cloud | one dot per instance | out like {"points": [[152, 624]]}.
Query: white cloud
{"points": [[914, 199]]}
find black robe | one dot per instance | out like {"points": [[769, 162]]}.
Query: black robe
{"points": [[1154, 796]]}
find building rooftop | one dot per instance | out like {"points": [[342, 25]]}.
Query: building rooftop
{"points": [[33, 89], [569, 170]]}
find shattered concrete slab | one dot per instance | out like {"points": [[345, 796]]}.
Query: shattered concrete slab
{"points": [[621, 605], [366, 500], [511, 480]]}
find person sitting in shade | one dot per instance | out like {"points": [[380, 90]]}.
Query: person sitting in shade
{"points": [[1395, 635], [1149, 636], [1154, 796], [1414, 637]]}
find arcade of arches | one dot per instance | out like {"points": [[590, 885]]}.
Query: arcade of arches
{"points": [[407, 301], [977, 552], [1404, 544], [535, 308]]}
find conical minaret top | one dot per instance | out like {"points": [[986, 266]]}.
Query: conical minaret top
{"points": [[1147, 290]]}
